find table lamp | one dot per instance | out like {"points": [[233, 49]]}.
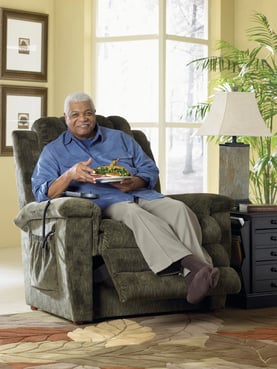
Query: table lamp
{"points": [[234, 114]]}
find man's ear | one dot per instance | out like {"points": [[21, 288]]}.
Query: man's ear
{"points": [[65, 118]]}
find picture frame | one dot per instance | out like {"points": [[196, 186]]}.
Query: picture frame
{"points": [[23, 45], [20, 106]]}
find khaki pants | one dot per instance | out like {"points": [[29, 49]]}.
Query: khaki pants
{"points": [[166, 230]]}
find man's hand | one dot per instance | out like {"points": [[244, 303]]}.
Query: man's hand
{"points": [[82, 172], [129, 184], [79, 172]]}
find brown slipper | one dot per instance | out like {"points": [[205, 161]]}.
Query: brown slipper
{"points": [[199, 285]]}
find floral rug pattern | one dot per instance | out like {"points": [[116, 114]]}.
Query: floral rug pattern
{"points": [[227, 339]]}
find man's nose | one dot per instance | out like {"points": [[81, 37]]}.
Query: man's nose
{"points": [[83, 116]]}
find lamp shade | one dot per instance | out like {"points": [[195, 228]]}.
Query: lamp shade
{"points": [[234, 114]]}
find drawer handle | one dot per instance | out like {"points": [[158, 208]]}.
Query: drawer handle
{"points": [[273, 285], [273, 221], [273, 238], [273, 269], [273, 253]]}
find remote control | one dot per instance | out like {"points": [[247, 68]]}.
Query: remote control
{"points": [[84, 195]]}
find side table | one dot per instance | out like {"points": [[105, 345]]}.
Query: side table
{"points": [[257, 233]]}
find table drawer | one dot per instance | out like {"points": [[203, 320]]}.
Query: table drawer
{"points": [[265, 237], [269, 285], [266, 254], [265, 222], [265, 271]]}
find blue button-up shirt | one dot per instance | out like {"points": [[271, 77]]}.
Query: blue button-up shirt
{"points": [[108, 144]]}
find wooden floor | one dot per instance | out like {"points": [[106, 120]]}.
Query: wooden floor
{"points": [[12, 298]]}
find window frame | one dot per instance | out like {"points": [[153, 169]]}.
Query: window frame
{"points": [[162, 124]]}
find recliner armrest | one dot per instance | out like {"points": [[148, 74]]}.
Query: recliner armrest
{"points": [[213, 212], [59, 208], [58, 258], [206, 203]]}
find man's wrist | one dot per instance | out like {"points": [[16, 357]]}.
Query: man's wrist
{"points": [[144, 183]]}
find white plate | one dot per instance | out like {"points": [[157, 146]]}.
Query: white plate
{"points": [[107, 179]]}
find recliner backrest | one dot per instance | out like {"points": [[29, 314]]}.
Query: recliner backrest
{"points": [[27, 146]]}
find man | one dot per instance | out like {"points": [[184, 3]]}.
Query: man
{"points": [[166, 231]]}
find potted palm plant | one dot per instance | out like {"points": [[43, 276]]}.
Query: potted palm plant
{"points": [[255, 71]]}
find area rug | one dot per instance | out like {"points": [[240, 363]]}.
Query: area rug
{"points": [[227, 339]]}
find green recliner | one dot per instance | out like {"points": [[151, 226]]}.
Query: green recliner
{"points": [[66, 240]]}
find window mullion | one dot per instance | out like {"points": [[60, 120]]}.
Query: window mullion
{"points": [[162, 95]]}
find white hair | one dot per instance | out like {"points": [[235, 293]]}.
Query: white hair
{"points": [[77, 97]]}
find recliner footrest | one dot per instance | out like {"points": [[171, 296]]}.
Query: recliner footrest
{"points": [[139, 284]]}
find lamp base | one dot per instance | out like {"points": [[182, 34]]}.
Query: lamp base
{"points": [[234, 171]]}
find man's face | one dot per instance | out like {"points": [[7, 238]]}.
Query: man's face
{"points": [[81, 120]]}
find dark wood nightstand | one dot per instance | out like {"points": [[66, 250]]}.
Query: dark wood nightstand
{"points": [[257, 233]]}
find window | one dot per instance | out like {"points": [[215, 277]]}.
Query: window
{"points": [[143, 48]]}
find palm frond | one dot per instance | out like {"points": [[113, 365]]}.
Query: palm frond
{"points": [[199, 111], [215, 63], [263, 33]]}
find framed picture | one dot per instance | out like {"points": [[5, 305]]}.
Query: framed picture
{"points": [[23, 45], [20, 106]]}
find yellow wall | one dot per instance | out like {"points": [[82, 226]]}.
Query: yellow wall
{"points": [[221, 18], [69, 69], [10, 235], [72, 33]]}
